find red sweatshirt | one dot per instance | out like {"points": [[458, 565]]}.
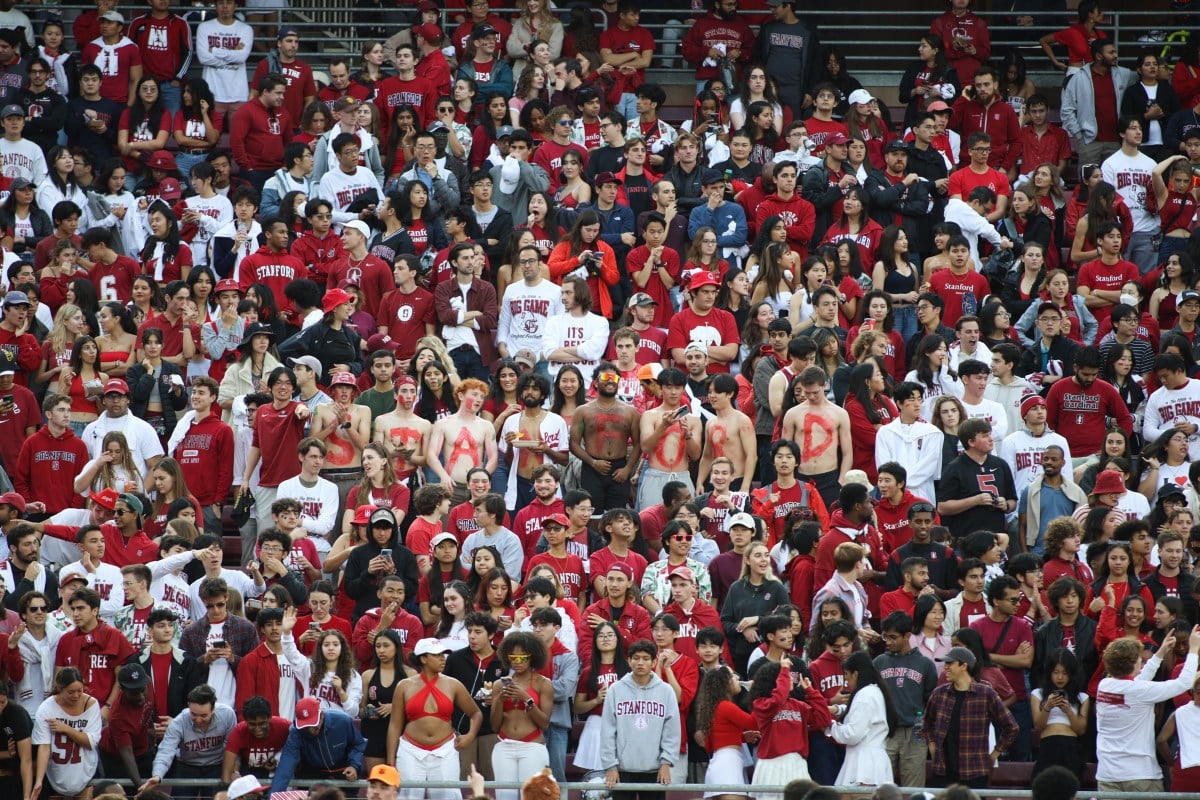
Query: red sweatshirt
{"points": [[166, 46], [51, 463], [318, 254], [206, 457], [257, 136], [373, 276], [118, 551], [258, 673], [634, 623], [798, 214], [702, 615], [785, 721], [27, 351], [407, 625], [276, 270], [893, 520]]}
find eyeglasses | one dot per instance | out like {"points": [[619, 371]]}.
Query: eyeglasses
{"points": [[322, 216], [981, 149], [517, 658], [222, 604]]}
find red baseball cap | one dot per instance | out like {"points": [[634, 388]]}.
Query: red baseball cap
{"points": [[560, 518], [308, 713]]}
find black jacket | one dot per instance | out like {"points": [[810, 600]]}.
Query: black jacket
{"points": [[688, 192], [141, 383], [363, 586], [1049, 638], [1187, 585], [1061, 349], [463, 666], [909, 82], [330, 347], [186, 674], [817, 189], [911, 203]]}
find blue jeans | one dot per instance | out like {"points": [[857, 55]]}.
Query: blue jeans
{"points": [[172, 96], [1022, 748], [185, 162], [556, 745], [904, 321], [469, 364], [1141, 251], [628, 106]]}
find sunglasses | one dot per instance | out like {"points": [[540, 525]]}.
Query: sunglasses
{"points": [[608, 376], [37, 608], [921, 507], [518, 659], [682, 537]]}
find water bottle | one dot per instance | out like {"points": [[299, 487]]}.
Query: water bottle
{"points": [[969, 304], [917, 726]]}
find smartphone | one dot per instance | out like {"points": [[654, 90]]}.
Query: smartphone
{"points": [[386, 553], [682, 412], [219, 644], [506, 680], [7, 399], [314, 626]]}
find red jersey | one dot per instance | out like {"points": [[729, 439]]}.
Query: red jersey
{"points": [[572, 574], [1107, 277], [374, 279], [172, 333], [635, 40], [636, 261], [114, 282], [965, 179], [165, 44], [259, 754]]}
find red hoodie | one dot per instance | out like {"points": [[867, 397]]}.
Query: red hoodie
{"points": [[702, 615], [318, 254], [799, 574], [785, 721], [257, 137], [51, 463], [258, 674], [633, 622], [893, 520], [841, 530], [206, 457], [276, 270], [798, 214], [749, 199]]}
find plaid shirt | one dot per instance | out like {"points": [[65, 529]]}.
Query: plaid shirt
{"points": [[981, 706], [240, 635]]}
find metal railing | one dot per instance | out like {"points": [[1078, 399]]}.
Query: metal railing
{"points": [[694, 789]]}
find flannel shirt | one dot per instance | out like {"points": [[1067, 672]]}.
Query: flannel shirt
{"points": [[981, 706], [240, 635]]}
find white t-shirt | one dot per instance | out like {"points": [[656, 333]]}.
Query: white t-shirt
{"points": [[215, 213], [142, 441], [993, 412], [341, 190], [589, 333], [71, 767], [1131, 177], [220, 676]]}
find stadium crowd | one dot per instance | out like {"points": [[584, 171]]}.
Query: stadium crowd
{"points": [[465, 411]]}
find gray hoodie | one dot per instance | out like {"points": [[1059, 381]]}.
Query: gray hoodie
{"points": [[634, 716], [183, 743]]}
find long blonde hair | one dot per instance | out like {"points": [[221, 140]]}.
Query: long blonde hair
{"points": [[60, 338], [108, 476], [435, 344], [770, 576]]}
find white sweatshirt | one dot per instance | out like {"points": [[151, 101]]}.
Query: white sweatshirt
{"points": [[1125, 721], [223, 50]]}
